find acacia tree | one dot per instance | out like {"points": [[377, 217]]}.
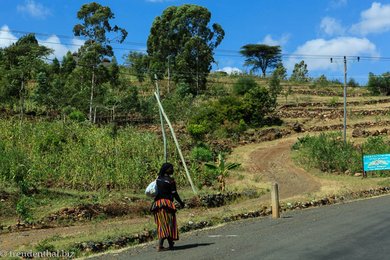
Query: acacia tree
{"points": [[182, 40], [261, 56], [97, 29]]}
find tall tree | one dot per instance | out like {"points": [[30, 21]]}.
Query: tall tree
{"points": [[261, 56], [379, 84], [138, 63], [97, 29], [182, 40], [300, 72], [22, 61]]}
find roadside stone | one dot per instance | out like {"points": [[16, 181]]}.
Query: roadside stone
{"points": [[358, 174]]}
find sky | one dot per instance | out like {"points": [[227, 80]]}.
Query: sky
{"points": [[309, 30]]}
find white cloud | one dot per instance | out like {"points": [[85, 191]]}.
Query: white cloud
{"points": [[276, 42], [34, 9], [6, 37], [231, 70], [376, 19], [52, 42], [60, 49], [321, 49], [332, 27]]}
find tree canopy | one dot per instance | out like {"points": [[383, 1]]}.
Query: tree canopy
{"points": [[182, 39], [300, 72], [261, 56]]}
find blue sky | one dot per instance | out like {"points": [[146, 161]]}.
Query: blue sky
{"points": [[312, 30]]}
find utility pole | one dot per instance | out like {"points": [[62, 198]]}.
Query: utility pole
{"points": [[345, 100]]}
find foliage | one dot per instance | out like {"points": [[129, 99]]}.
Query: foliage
{"points": [[79, 156], [77, 116], [201, 153], [138, 64], [333, 102], [197, 131], [232, 114], [274, 84], [243, 85], [181, 36], [322, 81], [353, 83], [23, 209], [258, 102], [96, 24], [261, 56], [280, 71], [92, 55], [21, 62], [300, 73], [222, 169], [379, 84], [328, 153]]}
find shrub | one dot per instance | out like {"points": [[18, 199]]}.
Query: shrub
{"points": [[77, 116], [258, 102], [197, 131], [243, 85], [201, 154], [328, 152]]}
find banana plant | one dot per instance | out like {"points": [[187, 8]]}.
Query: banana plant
{"points": [[221, 168]]}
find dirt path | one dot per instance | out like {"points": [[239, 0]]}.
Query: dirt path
{"points": [[271, 162], [268, 162]]}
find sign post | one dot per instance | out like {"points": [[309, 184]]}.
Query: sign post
{"points": [[376, 162]]}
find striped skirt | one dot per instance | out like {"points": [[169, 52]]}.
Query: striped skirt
{"points": [[164, 212]]}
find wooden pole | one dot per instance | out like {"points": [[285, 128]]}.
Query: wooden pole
{"points": [[275, 200], [162, 123], [176, 142]]}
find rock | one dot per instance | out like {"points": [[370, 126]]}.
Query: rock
{"points": [[357, 132], [358, 174]]}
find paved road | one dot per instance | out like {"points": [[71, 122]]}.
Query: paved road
{"points": [[357, 230]]}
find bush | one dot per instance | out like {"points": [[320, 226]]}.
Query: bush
{"points": [[197, 131], [243, 85], [328, 152], [201, 154], [258, 102], [77, 116]]}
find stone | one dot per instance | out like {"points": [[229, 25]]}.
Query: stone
{"points": [[357, 132], [358, 174]]}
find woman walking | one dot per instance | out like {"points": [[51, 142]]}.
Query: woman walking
{"points": [[164, 209]]}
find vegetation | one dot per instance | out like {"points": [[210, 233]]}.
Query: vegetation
{"points": [[182, 39], [379, 85], [328, 152], [300, 73], [261, 56], [78, 156]]}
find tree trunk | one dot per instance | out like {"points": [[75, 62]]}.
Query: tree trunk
{"points": [[91, 99]]}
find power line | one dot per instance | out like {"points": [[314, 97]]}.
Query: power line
{"points": [[219, 52]]}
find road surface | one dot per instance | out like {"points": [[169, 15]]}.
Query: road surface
{"points": [[356, 230]]}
